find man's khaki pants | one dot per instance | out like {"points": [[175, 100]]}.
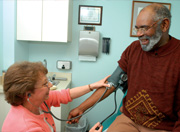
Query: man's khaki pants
{"points": [[124, 124]]}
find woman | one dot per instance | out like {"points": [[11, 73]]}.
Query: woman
{"points": [[26, 87]]}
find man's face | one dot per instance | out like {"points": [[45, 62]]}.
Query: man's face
{"points": [[148, 42], [148, 31]]}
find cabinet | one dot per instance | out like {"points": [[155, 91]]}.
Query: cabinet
{"points": [[44, 20]]}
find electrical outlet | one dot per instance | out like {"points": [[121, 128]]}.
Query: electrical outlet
{"points": [[65, 65]]}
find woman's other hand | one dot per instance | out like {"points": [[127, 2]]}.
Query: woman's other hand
{"points": [[93, 129]]}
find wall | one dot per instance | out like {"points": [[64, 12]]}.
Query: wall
{"points": [[174, 29], [13, 50], [115, 24], [1, 38], [8, 33], [21, 47]]}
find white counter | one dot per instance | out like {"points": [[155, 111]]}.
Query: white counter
{"points": [[63, 111], [62, 84], [1, 88]]}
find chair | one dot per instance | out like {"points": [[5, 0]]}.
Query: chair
{"points": [[109, 121]]}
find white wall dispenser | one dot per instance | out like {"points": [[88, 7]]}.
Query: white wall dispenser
{"points": [[88, 45]]}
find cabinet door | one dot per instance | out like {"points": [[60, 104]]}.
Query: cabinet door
{"points": [[55, 20], [29, 19]]}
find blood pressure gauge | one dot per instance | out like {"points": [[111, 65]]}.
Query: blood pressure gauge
{"points": [[124, 77]]}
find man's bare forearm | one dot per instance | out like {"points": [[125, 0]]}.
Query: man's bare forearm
{"points": [[94, 98]]}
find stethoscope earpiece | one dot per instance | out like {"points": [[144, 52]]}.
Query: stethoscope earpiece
{"points": [[29, 95]]}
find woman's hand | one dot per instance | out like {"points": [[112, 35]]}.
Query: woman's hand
{"points": [[101, 83], [79, 91], [93, 129]]}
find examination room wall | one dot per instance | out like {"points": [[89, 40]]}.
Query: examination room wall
{"points": [[9, 28], [116, 19], [12, 50], [1, 37]]}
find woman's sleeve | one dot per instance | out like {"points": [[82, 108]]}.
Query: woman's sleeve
{"points": [[59, 97]]}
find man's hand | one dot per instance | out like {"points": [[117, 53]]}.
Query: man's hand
{"points": [[73, 113]]}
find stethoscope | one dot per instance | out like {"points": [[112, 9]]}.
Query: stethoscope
{"points": [[97, 128], [49, 111], [121, 83]]}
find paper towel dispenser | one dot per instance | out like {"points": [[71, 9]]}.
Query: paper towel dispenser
{"points": [[88, 45]]}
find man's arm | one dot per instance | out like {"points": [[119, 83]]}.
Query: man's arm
{"points": [[88, 103], [114, 79], [177, 108]]}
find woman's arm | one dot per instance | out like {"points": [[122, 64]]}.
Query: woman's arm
{"points": [[79, 91]]}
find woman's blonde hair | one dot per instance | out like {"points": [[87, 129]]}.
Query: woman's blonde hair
{"points": [[20, 78]]}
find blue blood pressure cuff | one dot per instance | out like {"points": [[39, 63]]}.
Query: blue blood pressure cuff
{"points": [[118, 79]]}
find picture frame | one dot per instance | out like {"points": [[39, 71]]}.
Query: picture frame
{"points": [[90, 15], [136, 8]]}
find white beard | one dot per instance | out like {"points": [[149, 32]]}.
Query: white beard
{"points": [[153, 40]]}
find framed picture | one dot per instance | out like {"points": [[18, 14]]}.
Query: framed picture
{"points": [[90, 15], [137, 6]]}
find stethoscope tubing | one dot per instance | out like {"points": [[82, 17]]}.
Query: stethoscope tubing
{"points": [[49, 111]]}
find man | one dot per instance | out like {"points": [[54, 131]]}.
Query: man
{"points": [[152, 64]]}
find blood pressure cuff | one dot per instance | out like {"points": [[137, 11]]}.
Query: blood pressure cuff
{"points": [[115, 77]]}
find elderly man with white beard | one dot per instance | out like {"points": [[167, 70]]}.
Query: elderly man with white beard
{"points": [[152, 64]]}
